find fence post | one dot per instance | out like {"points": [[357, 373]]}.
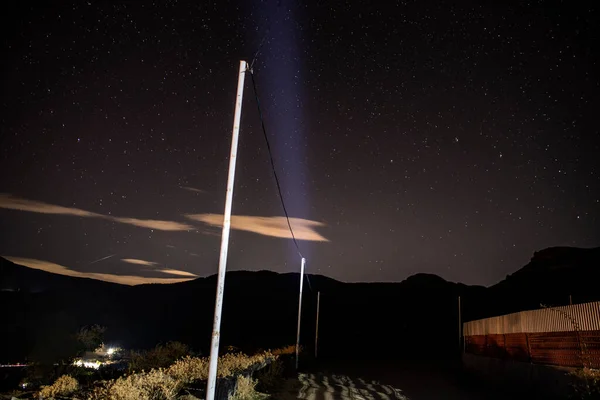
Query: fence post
{"points": [[459, 326], [528, 347], [317, 323]]}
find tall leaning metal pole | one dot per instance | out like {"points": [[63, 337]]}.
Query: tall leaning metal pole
{"points": [[214, 345], [299, 311]]}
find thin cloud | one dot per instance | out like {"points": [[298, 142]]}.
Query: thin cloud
{"points": [[192, 189], [10, 202], [154, 224], [177, 272], [130, 280], [138, 261], [304, 229]]}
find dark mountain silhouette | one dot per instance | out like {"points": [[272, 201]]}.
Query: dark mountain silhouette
{"points": [[14, 277], [417, 317], [552, 275]]}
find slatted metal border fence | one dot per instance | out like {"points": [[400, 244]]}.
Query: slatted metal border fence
{"points": [[564, 336]]}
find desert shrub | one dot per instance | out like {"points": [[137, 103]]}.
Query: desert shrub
{"points": [[192, 369], [159, 357], [230, 364], [165, 384], [84, 376], [63, 386], [286, 351], [189, 369], [231, 349], [100, 392], [153, 385], [588, 384], [270, 377], [90, 337], [188, 397], [38, 374], [246, 390]]}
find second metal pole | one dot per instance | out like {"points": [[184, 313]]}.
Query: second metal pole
{"points": [[299, 311], [459, 326], [317, 323]]}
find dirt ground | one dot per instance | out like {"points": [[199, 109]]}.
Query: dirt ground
{"points": [[385, 381]]}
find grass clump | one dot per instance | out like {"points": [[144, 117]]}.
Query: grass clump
{"points": [[159, 357], [246, 390], [192, 369], [588, 385], [153, 385], [166, 383], [286, 351], [63, 386], [189, 369], [270, 378]]}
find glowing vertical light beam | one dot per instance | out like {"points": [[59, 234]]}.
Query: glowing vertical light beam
{"points": [[281, 85]]}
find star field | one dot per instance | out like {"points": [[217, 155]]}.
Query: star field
{"points": [[454, 139]]}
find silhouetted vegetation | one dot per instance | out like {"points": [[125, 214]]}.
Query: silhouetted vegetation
{"points": [[184, 375], [90, 337], [160, 356], [588, 384]]}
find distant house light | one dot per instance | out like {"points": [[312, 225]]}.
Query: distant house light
{"points": [[87, 364]]}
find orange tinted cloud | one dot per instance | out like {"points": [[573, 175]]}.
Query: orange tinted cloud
{"points": [[177, 272], [130, 280], [10, 202], [304, 229], [138, 261], [154, 224]]}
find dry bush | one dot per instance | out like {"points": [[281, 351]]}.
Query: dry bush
{"points": [[189, 369], [246, 390], [101, 391], [286, 351], [271, 377], [165, 384], [159, 357], [188, 397], [90, 337], [63, 386], [230, 364], [588, 386], [153, 385], [192, 369]]}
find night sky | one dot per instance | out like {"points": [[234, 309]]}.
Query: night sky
{"points": [[453, 138]]}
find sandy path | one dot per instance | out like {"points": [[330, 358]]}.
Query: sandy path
{"points": [[384, 381], [334, 387]]}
